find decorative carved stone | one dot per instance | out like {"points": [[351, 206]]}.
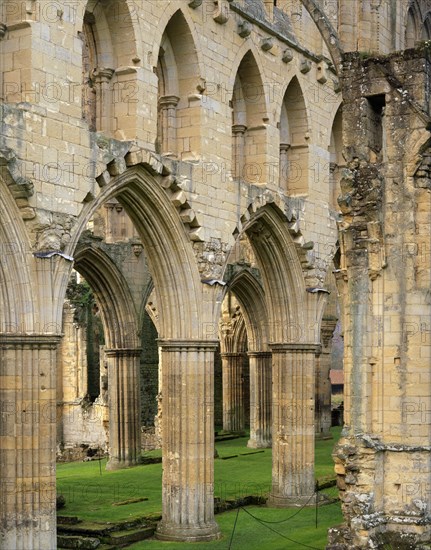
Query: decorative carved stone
{"points": [[305, 66], [287, 56], [221, 11], [244, 29]]}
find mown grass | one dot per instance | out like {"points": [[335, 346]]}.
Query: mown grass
{"points": [[293, 532], [91, 494]]}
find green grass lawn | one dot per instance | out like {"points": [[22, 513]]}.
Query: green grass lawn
{"points": [[90, 492], [293, 531]]}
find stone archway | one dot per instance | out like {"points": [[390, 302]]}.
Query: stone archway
{"points": [[294, 313], [250, 295], [28, 341], [187, 357], [122, 352]]}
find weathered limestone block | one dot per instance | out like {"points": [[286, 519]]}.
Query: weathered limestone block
{"points": [[28, 441]]}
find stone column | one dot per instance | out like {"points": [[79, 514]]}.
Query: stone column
{"points": [[188, 441], [102, 78], [260, 399], [168, 125], [233, 392], [124, 407], [293, 424], [323, 383], [238, 133], [27, 441], [284, 166]]}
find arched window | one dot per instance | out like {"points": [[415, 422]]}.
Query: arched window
{"points": [[249, 123], [426, 28], [336, 159], [177, 70], [108, 92], [294, 141], [411, 29]]}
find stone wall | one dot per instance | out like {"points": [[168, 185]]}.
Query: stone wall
{"points": [[382, 460]]}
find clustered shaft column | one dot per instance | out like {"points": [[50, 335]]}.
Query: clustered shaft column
{"points": [[124, 408], [188, 441], [233, 392], [167, 124], [293, 424], [238, 133], [27, 441], [104, 99], [260, 399]]}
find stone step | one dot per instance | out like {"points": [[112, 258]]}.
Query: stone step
{"points": [[79, 542], [85, 528], [120, 538]]}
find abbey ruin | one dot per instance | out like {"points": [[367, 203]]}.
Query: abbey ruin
{"points": [[229, 179]]}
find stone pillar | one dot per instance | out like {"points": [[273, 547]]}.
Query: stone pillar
{"points": [[260, 399], [284, 166], [188, 441], [124, 407], [168, 125], [102, 78], [27, 441], [293, 424], [238, 133], [323, 383], [233, 392]]}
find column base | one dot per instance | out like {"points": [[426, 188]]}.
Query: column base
{"points": [[177, 533], [259, 444], [115, 464], [275, 501]]}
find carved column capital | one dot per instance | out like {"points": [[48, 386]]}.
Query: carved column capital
{"points": [[238, 128], [168, 101], [175, 345], [103, 74], [123, 352], [30, 341], [297, 347], [284, 147]]}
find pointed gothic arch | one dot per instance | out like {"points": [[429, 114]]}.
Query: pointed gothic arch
{"points": [[16, 296], [426, 27], [112, 295], [294, 140], [249, 292], [294, 332], [411, 28], [250, 295], [173, 267], [177, 65], [109, 79], [336, 159], [249, 122]]}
